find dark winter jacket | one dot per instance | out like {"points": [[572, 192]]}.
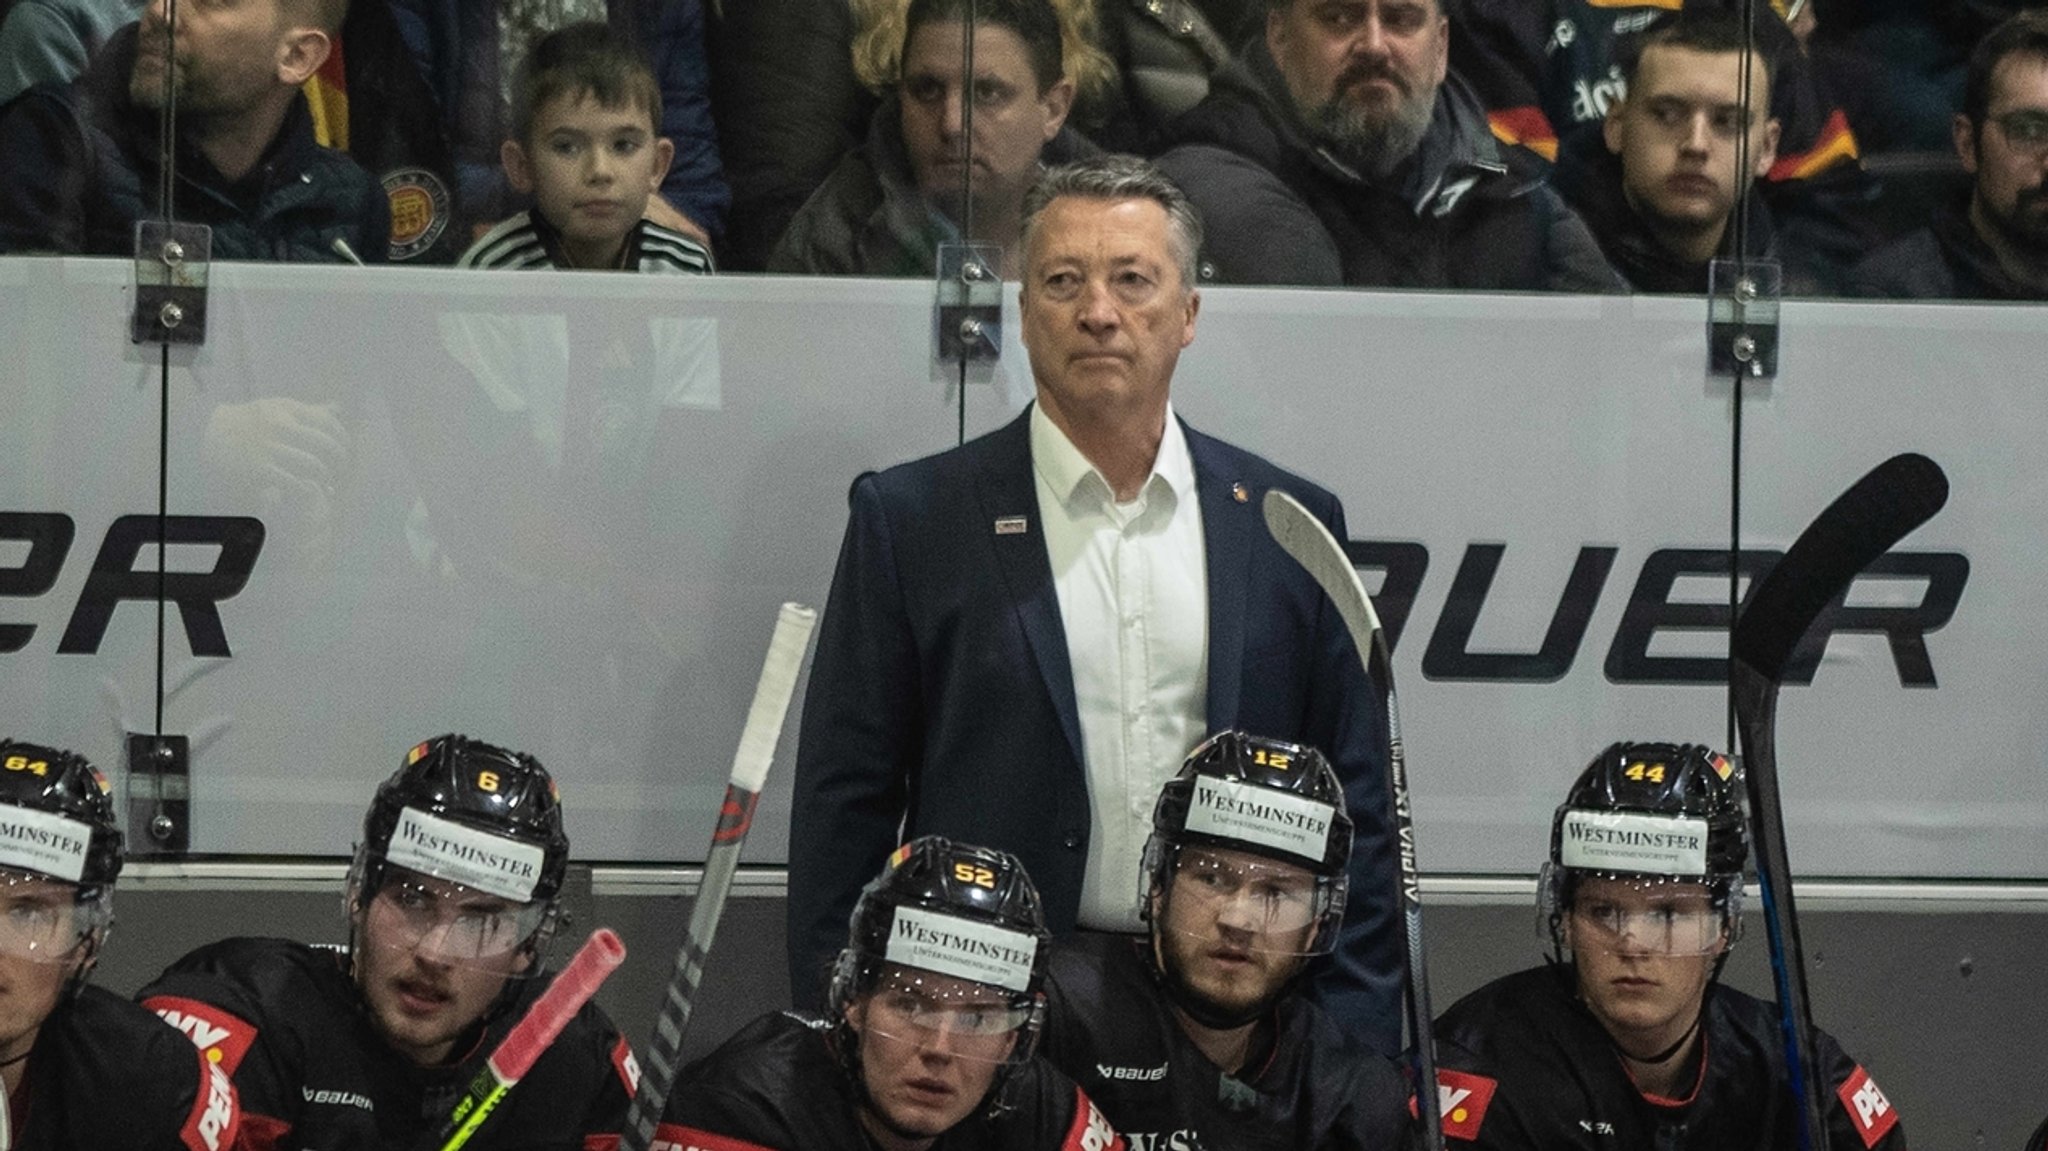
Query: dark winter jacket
{"points": [[1588, 176], [870, 219], [1946, 260], [1463, 212], [82, 168]]}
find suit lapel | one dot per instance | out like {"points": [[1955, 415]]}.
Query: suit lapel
{"points": [[1228, 525], [1007, 489]]}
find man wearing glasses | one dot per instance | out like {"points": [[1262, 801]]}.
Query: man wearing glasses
{"points": [[1992, 242], [451, 903], [1626, 1038], [82, 1067], [1196, 1034], [927, 1041]]}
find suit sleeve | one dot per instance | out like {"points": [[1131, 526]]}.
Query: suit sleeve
{"points": [[860, 738], [1360, 984]]}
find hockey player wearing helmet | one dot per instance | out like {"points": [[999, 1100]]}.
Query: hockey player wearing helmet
{"points": [[1197, 1034], [1627, 1038], [68, 1050], [450, 903], [928, 1041]]}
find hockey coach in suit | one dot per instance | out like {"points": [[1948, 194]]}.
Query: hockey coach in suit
{"points": [[1027, 633]]}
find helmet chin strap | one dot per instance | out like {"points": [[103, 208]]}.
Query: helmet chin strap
{"points": [[1668, 1052]]}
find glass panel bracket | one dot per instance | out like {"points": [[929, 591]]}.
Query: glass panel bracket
{"points": [[1742, 317], [159, 795], [171, 262], [967, 319]]}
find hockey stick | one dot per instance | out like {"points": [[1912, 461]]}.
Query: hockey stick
{"points": [[1303, 536], [599, 956], [735, 816], [1862, 524]]}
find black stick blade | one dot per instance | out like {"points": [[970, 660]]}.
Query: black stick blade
{"points": [[1862, 524]]}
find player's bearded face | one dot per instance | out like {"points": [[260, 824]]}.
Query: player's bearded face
{"points": [[930, 1047], [1233, 926], [1644, 953], [432, 956]]}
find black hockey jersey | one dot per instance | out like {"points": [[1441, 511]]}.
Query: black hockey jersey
{"points": [[1522, 1064], [105, 1073], [1110, 1027], [777, 1086], [286, 1021]]}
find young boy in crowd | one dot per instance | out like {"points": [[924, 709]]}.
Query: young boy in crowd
{"points": [[586, 147]]}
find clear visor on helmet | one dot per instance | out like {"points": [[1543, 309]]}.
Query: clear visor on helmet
{"points": [[42, 919], [1264, 904], [962, 1018], [447, 922], [1640, 914]]}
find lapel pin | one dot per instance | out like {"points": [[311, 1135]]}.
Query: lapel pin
{"points": [[1011, 525], [1240, 494]]}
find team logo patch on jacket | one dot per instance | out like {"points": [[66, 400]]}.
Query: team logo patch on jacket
{"points": [[1462, 1100], [1868, 1109], [223, 1037]]}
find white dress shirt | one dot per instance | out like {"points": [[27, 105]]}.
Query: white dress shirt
{"points": [[1133, 588]]}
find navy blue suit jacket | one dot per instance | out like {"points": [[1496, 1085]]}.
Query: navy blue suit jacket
{"points": [[941, 700]]}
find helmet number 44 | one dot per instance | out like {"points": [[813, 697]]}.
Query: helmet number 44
{"points": [[1640, 771]]}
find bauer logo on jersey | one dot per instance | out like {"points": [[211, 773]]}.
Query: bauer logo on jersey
{"points": [[221, 1037], [39, 841], [1631, 841], [434, 846], [1257, 815], [1868, 1109], [979, 952]]}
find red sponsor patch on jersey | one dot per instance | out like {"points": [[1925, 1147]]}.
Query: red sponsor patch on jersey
{"points": [[1869, 1111], [1462, 1100], [627, 1066], [216, 1118], [221, 1037], [676, 1137], [1090, 1131]]}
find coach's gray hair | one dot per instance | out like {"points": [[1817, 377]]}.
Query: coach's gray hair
{"points": [[1118, 177]]}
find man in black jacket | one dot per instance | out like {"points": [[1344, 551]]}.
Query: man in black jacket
{"points": [[1992, 242], [1627, 1037], [1340, 149], [1197, 1034], [1660, 182], [83, 166]]}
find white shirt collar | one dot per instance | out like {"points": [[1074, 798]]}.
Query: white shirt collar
{"points": [[1064, 469]]}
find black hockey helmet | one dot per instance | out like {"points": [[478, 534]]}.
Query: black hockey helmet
{"points": [[945, 914], [428, 814], [57, 822], [66, 785], [1650, 812], [1266, 797]]}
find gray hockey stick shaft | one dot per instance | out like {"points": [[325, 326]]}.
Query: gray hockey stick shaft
{"points": [[1301, 535], [736, 815]]}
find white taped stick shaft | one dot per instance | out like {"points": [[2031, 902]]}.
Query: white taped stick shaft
{"points": [[750, 761]]}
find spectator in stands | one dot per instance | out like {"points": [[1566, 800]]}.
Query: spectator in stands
{"points": [[919, 181], [1548, 69], [1660, 185], [46, 41], [467, 49], [82, 162], [1341, 150], [586, 145], [1992, 242]]}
